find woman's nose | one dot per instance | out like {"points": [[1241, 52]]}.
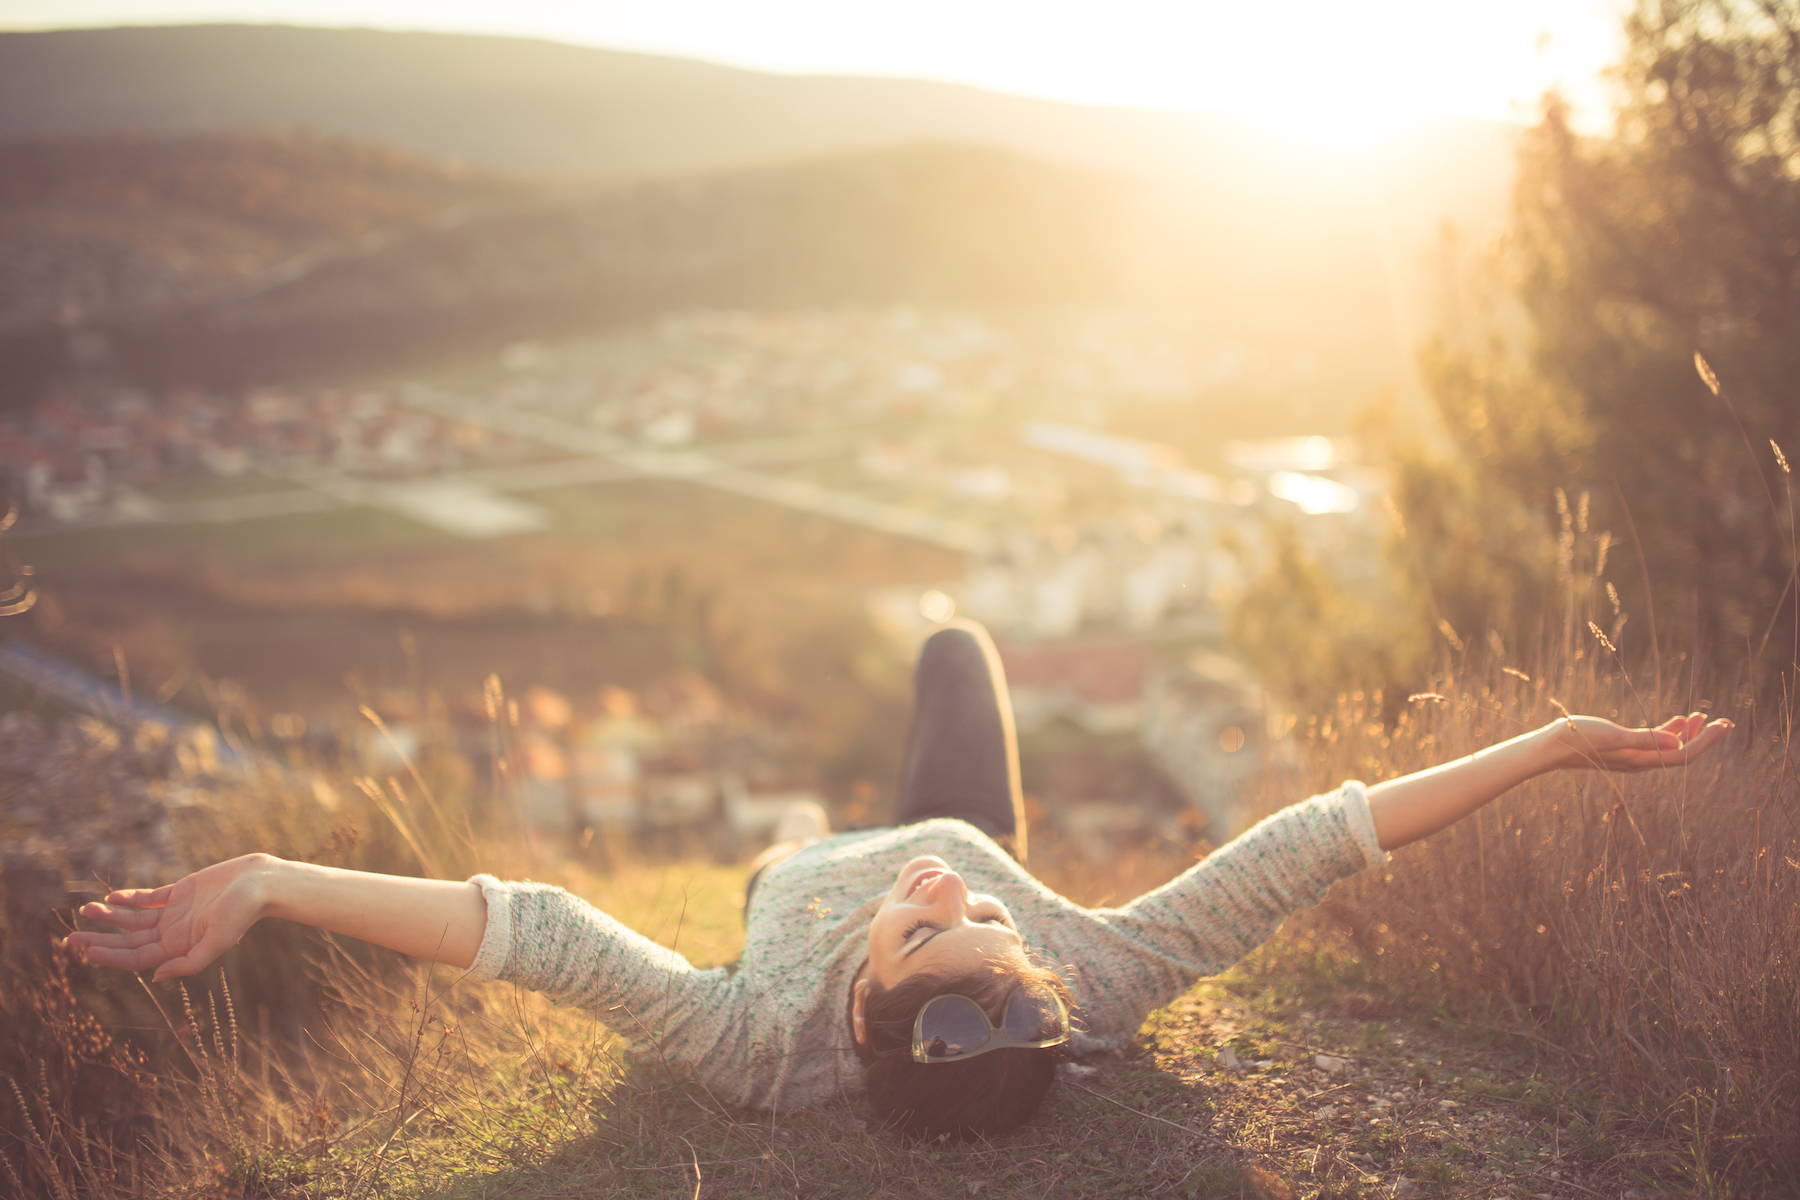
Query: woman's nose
{"points": [[947, 891]]}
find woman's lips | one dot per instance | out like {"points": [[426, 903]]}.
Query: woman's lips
{"points": [[927, 873]]}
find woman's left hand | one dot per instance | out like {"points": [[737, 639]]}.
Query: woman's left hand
{"points": [[1599, 744], [181, 927]]}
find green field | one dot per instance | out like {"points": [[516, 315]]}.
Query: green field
{"points": [[199, 485], [307, 612], [344, 533]]}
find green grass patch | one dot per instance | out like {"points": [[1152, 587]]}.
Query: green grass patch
{"points": [[200, 486], [342, 533]]}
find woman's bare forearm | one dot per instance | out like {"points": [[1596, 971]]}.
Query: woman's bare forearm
{"points": [[1408, 808], [1412, 806], [436, 919]]}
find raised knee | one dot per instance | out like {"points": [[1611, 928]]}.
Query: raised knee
{"points": [[958, 643]]}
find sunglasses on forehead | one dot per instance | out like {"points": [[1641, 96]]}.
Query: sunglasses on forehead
{"points": [[952, 1027]]}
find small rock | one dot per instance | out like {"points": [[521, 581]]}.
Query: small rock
{"points": [[1327, 1112], [1331, 1064], [1229, 1060]]}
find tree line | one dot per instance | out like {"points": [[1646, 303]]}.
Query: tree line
{"points": [[1618, 386]]}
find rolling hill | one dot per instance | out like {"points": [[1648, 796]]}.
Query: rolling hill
{"points": [[516, 102], [132, 221], [247, 199], [926, 224]]}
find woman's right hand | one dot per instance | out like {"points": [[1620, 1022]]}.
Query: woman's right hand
{"points": [[1598, 744], [179, 928]]}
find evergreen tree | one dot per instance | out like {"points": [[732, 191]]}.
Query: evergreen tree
{"points": [[1678, 235]]}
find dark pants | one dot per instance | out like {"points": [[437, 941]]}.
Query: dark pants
{"points": [[962, 756]]}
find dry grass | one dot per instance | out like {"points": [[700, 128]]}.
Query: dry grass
{"points": [[1646, 932], [1650, 926]]}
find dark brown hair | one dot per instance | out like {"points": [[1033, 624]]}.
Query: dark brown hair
{"points": [[981, 1096]]}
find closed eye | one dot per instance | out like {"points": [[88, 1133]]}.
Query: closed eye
{"points": [[907, 937]]}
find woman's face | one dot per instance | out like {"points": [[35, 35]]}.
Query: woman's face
{"points": [[930, 919]]}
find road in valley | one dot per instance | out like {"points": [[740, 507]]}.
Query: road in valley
{"points": [[709, 469], [600, 458]]}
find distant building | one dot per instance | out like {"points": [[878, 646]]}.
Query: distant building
{"points": [[1128, 455], [1105, 577], [1207, 727], [1096, 684], [755, 813]]}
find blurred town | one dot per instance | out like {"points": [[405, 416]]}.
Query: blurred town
{"points": [[436, 451], [1101, 562]]}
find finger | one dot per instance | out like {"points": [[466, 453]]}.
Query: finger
{"points": [[1712, 735], [1695, 720], [1659, 739], [1641, 759], [86, 939], [134, 959], [1674, 724], [120, 918], [142, 897], [177, 968]]}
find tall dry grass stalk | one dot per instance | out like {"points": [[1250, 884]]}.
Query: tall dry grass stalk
{"points": [[1650, 925], [228, 1084]]}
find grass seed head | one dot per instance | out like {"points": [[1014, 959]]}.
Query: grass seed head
{"points": [[1706, 373]]}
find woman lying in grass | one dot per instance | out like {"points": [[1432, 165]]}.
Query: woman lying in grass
{"points": [[921, 965]]}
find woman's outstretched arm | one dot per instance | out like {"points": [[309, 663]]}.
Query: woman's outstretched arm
{"points": [[182, 927], [1409, 808], [1224, 906]]}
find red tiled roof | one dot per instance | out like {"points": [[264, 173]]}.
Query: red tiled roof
{"points": [[1098, 672]]}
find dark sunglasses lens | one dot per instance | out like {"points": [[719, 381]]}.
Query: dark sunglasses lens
{"points": [[1033, 1016], [952, 1026]]}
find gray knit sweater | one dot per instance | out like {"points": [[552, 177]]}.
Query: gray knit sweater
{"points": [[771, 1032]]}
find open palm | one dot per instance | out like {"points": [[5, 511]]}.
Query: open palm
{"points": [[179, 928], [1604, 745]]}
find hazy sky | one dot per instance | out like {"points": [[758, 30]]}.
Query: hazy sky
{"points": [[1364, 66]]}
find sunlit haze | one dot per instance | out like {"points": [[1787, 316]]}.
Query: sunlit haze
{"points": [[1335, 72]]}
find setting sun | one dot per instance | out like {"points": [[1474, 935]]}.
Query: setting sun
{"points": [[802, 598], [1334, 74]]}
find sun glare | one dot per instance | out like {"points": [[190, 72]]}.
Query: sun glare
{"points": [[1319, 72], [1341, 124], [1327, 76]]}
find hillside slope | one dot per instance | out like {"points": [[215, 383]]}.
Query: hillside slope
{"points": [[929, 224], [699, 184], [527, 103], [111, 222]]}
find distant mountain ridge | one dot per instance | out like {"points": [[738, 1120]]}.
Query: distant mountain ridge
{"points": [[224, 239], [124, 221], [933, 224], [516, 102]]}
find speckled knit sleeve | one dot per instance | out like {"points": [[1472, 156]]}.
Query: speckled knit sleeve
{"points": [[1223, 907], [544, 938]]}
